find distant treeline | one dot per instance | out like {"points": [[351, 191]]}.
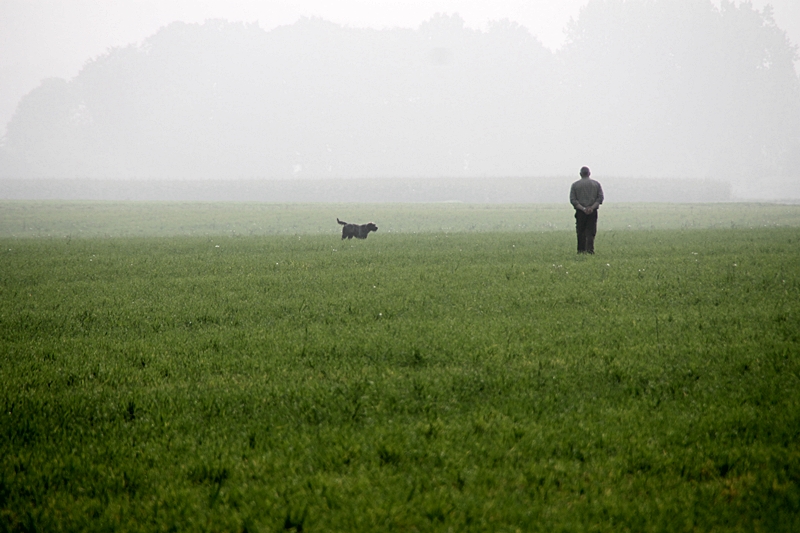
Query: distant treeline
{"points": [[375, 190], [642, 88]]}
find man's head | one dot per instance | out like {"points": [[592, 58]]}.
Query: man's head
{"points": [[585, 172]]}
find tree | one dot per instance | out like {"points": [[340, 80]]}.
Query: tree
{"points": [[643, 88], [678, 87]]}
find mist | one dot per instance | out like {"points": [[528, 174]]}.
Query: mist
{"points": [[665, 100]]}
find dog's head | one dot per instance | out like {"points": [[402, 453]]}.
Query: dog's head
{"points": [[372, 227]]}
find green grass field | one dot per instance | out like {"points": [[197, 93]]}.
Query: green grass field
{"points": [[164, 368]]}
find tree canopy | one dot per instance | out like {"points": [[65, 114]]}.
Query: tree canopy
{"points": [[642, 88]]}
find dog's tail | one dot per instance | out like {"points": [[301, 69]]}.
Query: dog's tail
{"points": [[340, 222]]}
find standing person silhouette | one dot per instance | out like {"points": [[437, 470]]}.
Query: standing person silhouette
{"points": [[586, 195]]}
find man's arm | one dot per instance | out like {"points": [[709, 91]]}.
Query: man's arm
{"points": [[573, 199], [598, 200]]}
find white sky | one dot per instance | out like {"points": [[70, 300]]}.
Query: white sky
{"points": [[47, 38]]}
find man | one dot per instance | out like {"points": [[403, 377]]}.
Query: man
{"points": [[586, 195]]}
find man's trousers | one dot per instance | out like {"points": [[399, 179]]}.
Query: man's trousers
{"points": [[586, 227]]}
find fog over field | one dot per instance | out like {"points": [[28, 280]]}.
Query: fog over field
{"points": [[686, 100]]}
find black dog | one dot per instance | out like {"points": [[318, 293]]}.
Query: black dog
{"points": [[355, 230]]}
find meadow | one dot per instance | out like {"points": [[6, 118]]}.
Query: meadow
{"points": [[238, 367]]}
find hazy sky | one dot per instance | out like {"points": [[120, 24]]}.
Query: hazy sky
{"points": [[54, 38]]}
